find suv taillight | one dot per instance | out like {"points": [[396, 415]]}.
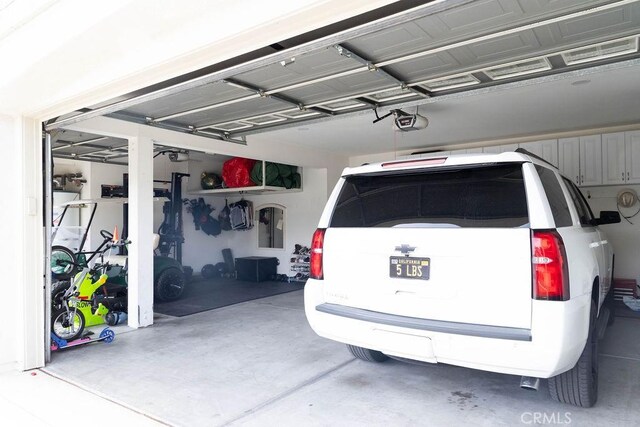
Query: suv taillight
{"points": [[317, 243], [550, 272]]}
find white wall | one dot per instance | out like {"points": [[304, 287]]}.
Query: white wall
{"points": [[107, 215], [68, 166], [303, 210], [624, 237], [98, 51]]}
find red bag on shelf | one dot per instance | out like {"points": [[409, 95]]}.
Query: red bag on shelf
{"points": [[236, 172]]}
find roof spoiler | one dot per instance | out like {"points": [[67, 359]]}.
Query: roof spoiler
{"points": [[535, 156]]}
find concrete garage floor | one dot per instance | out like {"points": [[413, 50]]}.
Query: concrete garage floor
{"points": [[258, 363]]}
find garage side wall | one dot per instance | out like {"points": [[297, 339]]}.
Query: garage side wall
{"points": [[303, 210]]}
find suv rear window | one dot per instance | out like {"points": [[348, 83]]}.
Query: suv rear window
{"points": [[485, 196], [555, 196]]}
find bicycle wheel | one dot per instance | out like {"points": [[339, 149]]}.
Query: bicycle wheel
{"points": [[62, 262], [67, 325], [57, 292]]}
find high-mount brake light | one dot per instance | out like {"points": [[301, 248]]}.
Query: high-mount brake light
{"points": [[550, 271], [419, 162], [317, 244]]}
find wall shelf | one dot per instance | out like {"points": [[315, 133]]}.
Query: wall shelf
{"points": [[214, 163], [255, 189]]}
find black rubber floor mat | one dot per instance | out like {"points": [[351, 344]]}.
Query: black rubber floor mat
{"points": [[204, 295]]}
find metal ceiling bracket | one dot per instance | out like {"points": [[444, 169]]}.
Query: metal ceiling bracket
{"points": [[226, 137], [72, 157], [96, 146], [371, 66], [103, 149], [373, 104], [70, 144], [264, 94], [168, 126]]}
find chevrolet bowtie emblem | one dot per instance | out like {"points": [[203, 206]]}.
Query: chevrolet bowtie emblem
{"points": [[405, 249]]}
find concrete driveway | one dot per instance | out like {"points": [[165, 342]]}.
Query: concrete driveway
{"points": [[258, 363]]}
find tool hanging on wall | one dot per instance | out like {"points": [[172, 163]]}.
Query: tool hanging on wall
{"points": [[627, 198], [61, 181]]}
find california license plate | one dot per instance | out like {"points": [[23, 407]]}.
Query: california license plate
{"points": [[409, 267]]}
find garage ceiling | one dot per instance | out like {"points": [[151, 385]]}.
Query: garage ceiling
{"points": [[69, 144], [74, 145], [417, 56]]}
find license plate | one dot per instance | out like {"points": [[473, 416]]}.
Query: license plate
{"points": [[409, 267]]}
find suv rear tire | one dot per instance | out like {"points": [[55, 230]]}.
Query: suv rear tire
{"points": [[367, 354], [579, 385]]}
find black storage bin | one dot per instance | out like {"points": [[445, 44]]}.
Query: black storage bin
{"points": [[256, 268]]}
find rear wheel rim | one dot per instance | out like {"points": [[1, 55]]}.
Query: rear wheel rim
{"points": [[61, 268], [63, 327]]}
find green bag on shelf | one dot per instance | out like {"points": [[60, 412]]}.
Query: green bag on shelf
{"points": [[276, 175]]}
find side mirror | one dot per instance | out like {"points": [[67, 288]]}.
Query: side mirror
{"points": [[608, 217]]}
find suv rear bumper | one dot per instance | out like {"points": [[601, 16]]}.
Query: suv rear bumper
{"points": [[552, 346]]}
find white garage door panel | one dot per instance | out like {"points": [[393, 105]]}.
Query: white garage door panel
{"points": [[242, 109], [205, 95], [612, 20], [379, 53], [515, 44], [436, 65], [305, 67]]}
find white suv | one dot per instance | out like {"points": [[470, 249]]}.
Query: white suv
{"points": [[492, 262]]}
